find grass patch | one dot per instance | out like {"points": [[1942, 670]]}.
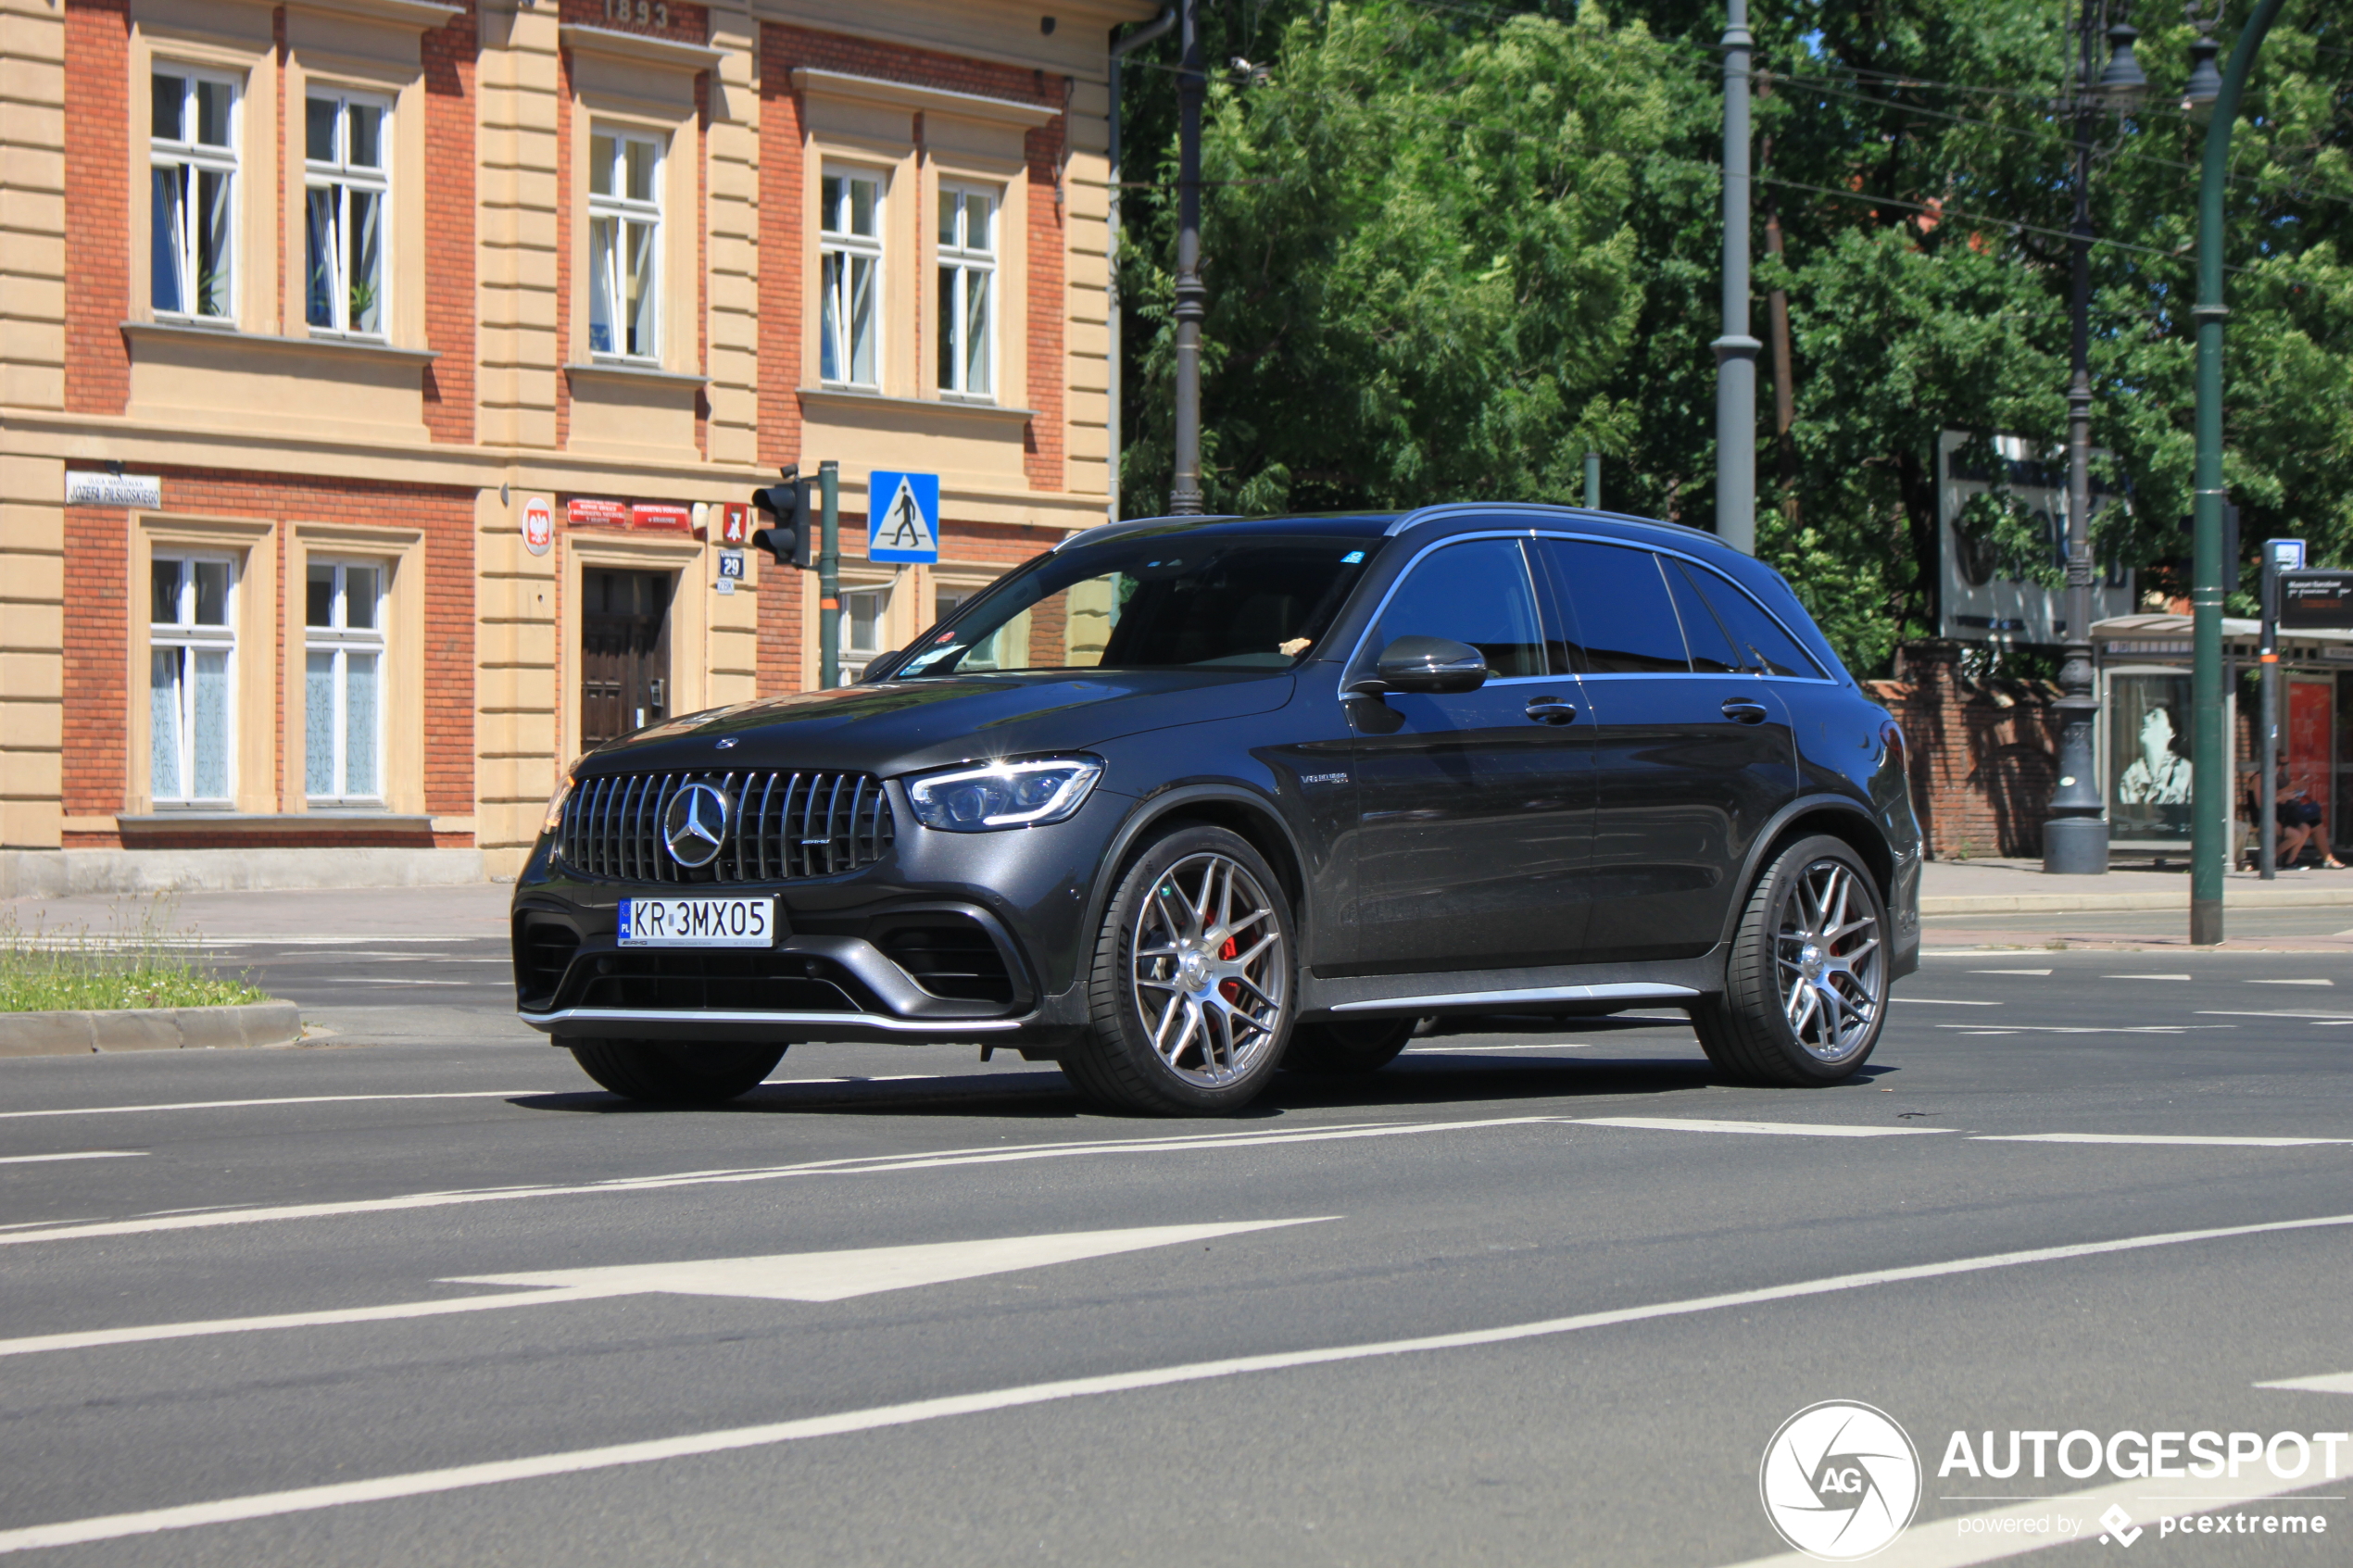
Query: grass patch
{"points": [[148, 964]]}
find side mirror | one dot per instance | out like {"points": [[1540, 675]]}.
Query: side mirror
{"points": [[1429, 665]]}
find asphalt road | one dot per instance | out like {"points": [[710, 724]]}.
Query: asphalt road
{"points": [[1539, 1293]]}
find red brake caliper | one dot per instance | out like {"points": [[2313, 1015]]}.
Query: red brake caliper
{"points": [[1232, 989]]}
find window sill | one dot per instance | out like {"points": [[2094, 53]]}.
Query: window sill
{"points": [[958, 408], [186, 827], [358, 349], [645, 375]]}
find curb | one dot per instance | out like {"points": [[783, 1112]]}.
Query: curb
{"points": [[149, 1029], [2102, 903]]}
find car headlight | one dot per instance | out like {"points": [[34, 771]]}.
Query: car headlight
{"points": [[1003, 795], [555, 815]]}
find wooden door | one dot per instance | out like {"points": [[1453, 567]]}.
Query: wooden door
{"points": [[624, 652]]}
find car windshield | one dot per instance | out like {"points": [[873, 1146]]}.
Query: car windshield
{"points": [[1174, 600]]}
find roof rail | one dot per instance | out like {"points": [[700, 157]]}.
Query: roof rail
{"points": [[1452, 508]]}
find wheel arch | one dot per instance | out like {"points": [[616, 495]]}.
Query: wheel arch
{"points": [[1843, 820], [1250, 817]]}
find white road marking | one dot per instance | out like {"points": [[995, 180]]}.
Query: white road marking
{"points": [[1784, 1129], [2009, 971], [2291, 982], [1485, 1050], [2275, 1012], [403, 980], [2149, 1139], [836, 1276], [2144, 977], [863, 1166], [2031, 1526], [1942, 1002], [879, 1078], [240, 1104], [803, 1276], [2093, 1028], [2329, 1382], [89, 1154], [306, 1499]]}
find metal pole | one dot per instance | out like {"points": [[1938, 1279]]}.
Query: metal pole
{"points": [[2075, 838], [2209, 774], [1593, 480], [1736, 351], [1120, 49], [2267, 746], [829, 574], [1192, 295]]}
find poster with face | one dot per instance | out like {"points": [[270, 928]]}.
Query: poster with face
{"points": [[2148, 749]]}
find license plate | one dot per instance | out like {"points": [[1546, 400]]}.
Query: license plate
{"points": [[698, 922]]}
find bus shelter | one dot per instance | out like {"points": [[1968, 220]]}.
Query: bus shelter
{"points": [[2144, 738]]}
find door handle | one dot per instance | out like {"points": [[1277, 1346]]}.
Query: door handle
{"points": [[1551, 710], [1746, 709]]}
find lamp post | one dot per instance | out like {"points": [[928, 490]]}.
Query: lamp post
{"points": [[1192, 294], [2075, 837], [2209, 775], [1736, 351]]}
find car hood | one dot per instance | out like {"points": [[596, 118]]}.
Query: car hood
{"points": [[902, 726]]}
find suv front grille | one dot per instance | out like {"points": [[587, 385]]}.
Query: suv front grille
{"points": [[780, 826]]}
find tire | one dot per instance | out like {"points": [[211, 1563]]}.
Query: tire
{"points": [[1806, 987], [661, 1073], [1344, 1050], [1193, 980]]}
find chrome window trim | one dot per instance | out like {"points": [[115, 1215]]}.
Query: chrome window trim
{"points": [[1824, 679], [1356, 652]]}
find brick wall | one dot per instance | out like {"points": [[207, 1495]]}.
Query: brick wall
{"points": [[449, 228], [781, 283], [1983, 754], [1042, 437], [96, 761], [97, 206]]}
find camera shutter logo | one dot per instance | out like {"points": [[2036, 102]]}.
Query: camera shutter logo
{"points": [[1840, 1481], [694, 826]]}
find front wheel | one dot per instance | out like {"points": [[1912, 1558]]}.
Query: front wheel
{"points": [[1806, 989], [659, 1072], [1192, 980]]}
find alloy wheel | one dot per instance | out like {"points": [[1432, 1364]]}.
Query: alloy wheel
{"points": [[1210, 969], [1829, 958]]}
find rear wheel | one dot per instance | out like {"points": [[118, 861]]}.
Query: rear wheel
{"points": [[1191, 988], [1335, 1050], [1806, 989], [663, 1072]]}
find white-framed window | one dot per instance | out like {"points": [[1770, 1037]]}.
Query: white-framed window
{"points": [[193, 194], [192, 642], [624, 244], [864, 620], [343, 682], [849, 238], [345, 145], [967, 291]]}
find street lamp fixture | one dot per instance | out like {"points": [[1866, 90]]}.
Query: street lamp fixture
{"points": [[2075, 836], [2205, 83]]}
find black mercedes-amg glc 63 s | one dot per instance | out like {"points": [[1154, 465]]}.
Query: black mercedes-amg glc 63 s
{"points": [[1187, 801]]}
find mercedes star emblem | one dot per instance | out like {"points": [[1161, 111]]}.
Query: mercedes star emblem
{"points": [[694, 825]]}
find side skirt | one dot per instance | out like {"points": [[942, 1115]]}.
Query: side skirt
{"points": [[1577, 989]]}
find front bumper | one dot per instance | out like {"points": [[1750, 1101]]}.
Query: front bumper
{"points": [[951, 937]]}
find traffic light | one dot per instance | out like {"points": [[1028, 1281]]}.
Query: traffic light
{"points": [[792, 538]]}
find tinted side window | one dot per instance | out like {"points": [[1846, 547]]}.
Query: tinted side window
{"points": [[1625, 621], [1762, 642], [1711, 649], [1476, 592]]}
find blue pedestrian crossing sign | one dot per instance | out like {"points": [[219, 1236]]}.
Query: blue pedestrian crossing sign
{"points": [[902, 516]]}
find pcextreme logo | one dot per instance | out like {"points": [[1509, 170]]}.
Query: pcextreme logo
{"points": [[1840, 1480]]}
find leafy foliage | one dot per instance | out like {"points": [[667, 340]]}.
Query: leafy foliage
{"points": [[1452, 246]]}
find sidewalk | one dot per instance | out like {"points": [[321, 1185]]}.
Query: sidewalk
{"points": [[470, 909], [1975, 887]]}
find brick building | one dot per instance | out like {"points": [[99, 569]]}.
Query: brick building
{"points": [[310, 312]]}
